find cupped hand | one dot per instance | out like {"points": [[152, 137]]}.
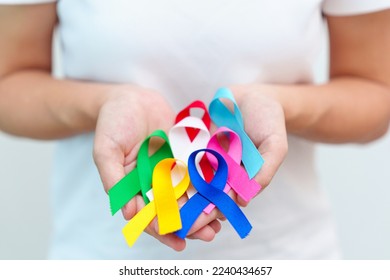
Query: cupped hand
{"points": [[127, 116]]}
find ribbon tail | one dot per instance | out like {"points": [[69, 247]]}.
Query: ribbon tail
{"points": [[133, 229], [232, 213], [169, 222], [124, 191], [190, 212], [167, 208], [251, 157], [244, 187]]}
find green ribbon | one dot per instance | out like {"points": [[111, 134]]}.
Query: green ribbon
{"points": [[140, 178]]}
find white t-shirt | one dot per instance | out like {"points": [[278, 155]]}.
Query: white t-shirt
{"points": [[187, 50]]}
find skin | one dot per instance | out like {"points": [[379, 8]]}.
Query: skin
{"points": [[354, 106]]}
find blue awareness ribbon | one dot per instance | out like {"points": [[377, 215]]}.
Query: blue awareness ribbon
{"points": [[222, 116], [211, 192]]}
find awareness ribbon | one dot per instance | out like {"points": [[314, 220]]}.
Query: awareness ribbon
{"points": [[222, 116], [164, 205], [238, 178], [211, 192], [140, 178], [182, 145], [192, 132]]}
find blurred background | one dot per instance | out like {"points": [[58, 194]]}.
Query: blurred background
{"points": [[355, 177]]}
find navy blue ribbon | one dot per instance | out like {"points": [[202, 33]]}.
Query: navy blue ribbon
{"points": [[211, 192]]}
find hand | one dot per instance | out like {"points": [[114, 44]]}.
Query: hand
{"points": [[127, 116]]}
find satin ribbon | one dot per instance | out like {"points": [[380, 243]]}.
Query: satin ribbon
{"points": [[140, 178], [193, 132], [164, 205], [181, 143], [222, 116], [238, 178], [211, 192], [190, 134]]}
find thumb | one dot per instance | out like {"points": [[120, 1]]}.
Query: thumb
{"points": [[273, 150], [109, 162]]}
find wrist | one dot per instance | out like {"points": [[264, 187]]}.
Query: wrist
{"points": [[79, 109], [291, 106], [300, 105], [101, 94]]}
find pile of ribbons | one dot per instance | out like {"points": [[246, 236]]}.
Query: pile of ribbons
{"points": [[195, 163]]}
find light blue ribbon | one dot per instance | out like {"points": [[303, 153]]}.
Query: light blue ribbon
{"points": [[222, 116]]}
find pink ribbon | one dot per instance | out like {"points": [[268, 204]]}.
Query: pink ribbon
{"points": [[238, 178]]}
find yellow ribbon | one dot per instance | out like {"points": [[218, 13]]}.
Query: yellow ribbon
{"points": [[164, 205]]}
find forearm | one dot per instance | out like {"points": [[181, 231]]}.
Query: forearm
{"points": [[34, 104], [342, 110]]}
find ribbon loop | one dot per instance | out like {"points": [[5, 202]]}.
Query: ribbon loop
{"points": [[222, 116], [140, 178], [183, 143], [211, 192], [164, 205], [191, 131]]}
